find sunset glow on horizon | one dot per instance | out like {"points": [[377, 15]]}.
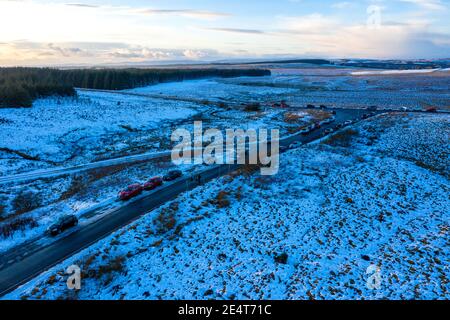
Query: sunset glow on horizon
{"points": [[96, 32]]}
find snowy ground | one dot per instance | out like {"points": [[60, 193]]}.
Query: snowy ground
{"points": [[70, 131], [58, 132], [366, 196]]}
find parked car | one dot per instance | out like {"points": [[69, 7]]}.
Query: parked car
{"points": [[328, 131], [305, 131], [131, 191], [348, 122], [329, 120], [284, 104], [63, 223], [372, 108], [172, 175], [431, 109], [322, 106], [152, 183], [310, 106], [295, 144], [404, 109]]}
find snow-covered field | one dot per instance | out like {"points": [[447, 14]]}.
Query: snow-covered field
{"points": [[70, 131], [61, 132], [374, 196]]}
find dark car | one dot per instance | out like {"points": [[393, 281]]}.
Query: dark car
{"points": [[322, 106], [431, 109], [365, 116], [333, 112], [63, 223], [310, 106], [172, 175], [372, 108], [338, 126], [153, 183], [130, 192]]}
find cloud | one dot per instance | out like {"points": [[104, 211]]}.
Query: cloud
{"points": [[341, 5], [238, 30], [326, 36], [428, 4], [82, 5], [36, 53], [202, 14]]}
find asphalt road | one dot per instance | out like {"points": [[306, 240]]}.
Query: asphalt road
{"points": [[26, 261], [46, 173]]}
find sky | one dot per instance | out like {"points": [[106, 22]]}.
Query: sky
{"points": [[93, 32]]}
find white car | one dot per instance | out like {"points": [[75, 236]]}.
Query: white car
{"points": [[348, 122], [295, 144], [327, 121]]}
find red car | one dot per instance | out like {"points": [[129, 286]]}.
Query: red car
{"points": [[130, 192], [431, 109], [153, 183]]}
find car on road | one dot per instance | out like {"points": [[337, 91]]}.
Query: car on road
{"points": [[333, 112], [172, 175], [283, 148], [372, 108], [305, 131], [404, 109], [365, 116], [314, 126], [348, 122], [338, 126], [63, 223], [131, 191], [153, 183], [295, 144], [310, 106], [431, 109], [328, 131], [322, 106], [329, 120]]}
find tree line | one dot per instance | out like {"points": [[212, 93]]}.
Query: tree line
{"points": [[19, 87]]}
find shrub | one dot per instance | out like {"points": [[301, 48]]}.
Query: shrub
{"points": [[165, 221], [282, 258], [7, 229], [26, 201], [253, 107]]}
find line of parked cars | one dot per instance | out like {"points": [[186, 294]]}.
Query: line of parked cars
{"points": [[69, 221], [136, 189]]}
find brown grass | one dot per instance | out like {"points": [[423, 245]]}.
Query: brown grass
{"points": [[105, 272], [26, 201], [166, 221], [341, 139], [291, 117], [78, 185]]}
